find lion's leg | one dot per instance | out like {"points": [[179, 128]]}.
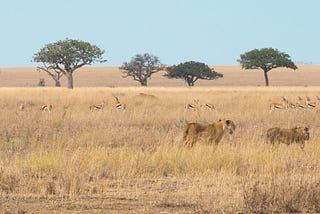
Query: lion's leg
{"points": [[271, 140], [218, 138], [188, 142], [185, 136], [194, 139], [211, 139], [300, 141], [189, 136]]}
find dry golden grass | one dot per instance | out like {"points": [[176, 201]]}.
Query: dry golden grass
{"points": [[73, 159]]}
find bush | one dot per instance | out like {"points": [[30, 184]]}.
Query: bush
{"points": [[41, 83]]}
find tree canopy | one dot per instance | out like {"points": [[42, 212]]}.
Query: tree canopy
{"points": [[141, 67], [65, 56], [266, 59], [191, 71]]}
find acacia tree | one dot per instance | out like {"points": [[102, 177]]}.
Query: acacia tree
{"points": [[141, 67], [66, 56], [191, 71], [266, 59]]}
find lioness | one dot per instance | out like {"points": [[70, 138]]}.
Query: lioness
{"points": [[209, 133], [288, 136]]}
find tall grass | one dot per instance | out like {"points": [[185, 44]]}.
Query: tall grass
{"points": [[138, 153]]}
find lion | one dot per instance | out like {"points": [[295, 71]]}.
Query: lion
{"points": [[288, 136], [208, 133]]}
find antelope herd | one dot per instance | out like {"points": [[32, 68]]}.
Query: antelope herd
{"points": [[300, 104], [94, 107], [196, 105], [209, 133]]}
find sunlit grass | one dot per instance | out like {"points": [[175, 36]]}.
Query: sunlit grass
{"points": [[75, 152]]}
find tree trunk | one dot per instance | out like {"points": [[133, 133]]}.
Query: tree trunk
{"points": [[144, 82], [58, 84], [190, 82], [70, 80], [56, 77], [266, 78]]}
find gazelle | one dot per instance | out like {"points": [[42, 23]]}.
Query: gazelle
{"points": [[301, 104], [22, 106], [46, 108], [209, 106], [192, 106], [279, 106], [98, 107], [119, 105], [309, 103], [290, 105]]}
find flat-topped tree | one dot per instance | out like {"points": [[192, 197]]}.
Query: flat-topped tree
{"points": [[191, 71], [266, 59], [65, 56]]}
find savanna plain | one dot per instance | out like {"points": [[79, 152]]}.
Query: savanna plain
{"points": [[134, 161]]}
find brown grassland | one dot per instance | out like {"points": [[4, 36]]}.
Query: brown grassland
{"points": [[305, 75], [133, 161]]}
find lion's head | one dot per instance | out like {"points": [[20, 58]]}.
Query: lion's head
{"points": [[228, 125], [303, 133]]}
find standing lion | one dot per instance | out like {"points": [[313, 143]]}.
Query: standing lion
{"points": [[209, 133], [288, 136]]}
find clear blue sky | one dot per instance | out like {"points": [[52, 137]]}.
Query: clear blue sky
{"points": [[215, 32]]}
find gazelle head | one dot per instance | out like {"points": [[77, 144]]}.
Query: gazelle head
{"points": [[284, 99], [103, 102], [116, 98], [308, 98]]}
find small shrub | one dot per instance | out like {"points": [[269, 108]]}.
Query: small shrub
{"points": [[42, 83]]}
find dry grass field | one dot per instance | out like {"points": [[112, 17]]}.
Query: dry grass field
{"points": [[133, 161]]}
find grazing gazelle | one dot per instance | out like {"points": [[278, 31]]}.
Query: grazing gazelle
{"points": [[119, 105], [290, 105], [192, 106], [278, 106], [46, 108], [301, 104], [98, 107], [310, 104]]}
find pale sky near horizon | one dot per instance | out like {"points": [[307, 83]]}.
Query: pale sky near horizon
{"points": [[215, 32]]}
